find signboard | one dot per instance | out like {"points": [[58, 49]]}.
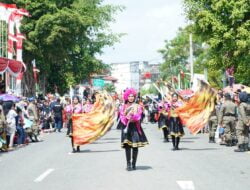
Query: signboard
{"points": [[98, 82]]}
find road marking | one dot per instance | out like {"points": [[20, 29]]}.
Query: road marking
{"points": [[44, 175], [186, 185]]}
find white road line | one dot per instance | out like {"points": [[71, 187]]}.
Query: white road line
{"points": [[186, 185], [44, 175]]}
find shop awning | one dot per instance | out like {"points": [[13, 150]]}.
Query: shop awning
{"points": [[14, 67]]}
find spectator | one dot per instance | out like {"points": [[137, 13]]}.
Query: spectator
{"points": [[57, 110], [11, 126]]}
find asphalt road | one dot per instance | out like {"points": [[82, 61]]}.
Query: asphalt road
{"points": [[50, 165]]}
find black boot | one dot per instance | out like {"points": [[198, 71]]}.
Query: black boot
{"points": [[229, 143], [78, 148], [246, 148], [165, 134], [240, 148], [73, 150], [173, 142], [210, 139], [128, 157], [177, 143], [135, 154], [213, 139]]}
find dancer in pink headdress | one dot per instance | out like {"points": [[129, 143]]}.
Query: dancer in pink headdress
{"points": [[133, 136]]}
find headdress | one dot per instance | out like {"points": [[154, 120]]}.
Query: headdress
{"points": [[128, 92]]}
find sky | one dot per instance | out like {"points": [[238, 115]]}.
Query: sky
{"points": [[147, 24]]}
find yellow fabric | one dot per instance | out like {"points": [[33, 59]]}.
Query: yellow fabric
{"points": [[88, 127], [195, 113]]}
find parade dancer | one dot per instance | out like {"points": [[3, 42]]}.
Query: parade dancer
{"points": [[163, 109], [176, 128], [76, 108], [132, 136]]}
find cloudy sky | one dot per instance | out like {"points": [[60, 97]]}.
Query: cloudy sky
{"points": [[147, 23]]}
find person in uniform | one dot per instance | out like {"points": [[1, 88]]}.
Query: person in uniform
{"points": [[3, 129], [242, 127], [175, 125], [132, 136], [213, 123], [33, 116], [227, 118]]}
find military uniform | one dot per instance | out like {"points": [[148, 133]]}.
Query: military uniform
{"points": [[213, 123], [242, 128], [227, 118], [33, 116], [3, 129]]}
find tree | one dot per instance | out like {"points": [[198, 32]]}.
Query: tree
{"points": [[109, 88], [225, 26], [176, 56], [64, 37]]}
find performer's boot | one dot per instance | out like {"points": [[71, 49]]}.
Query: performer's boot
{"points": [[128, 157], [73, 150], [165, 134], [78, 148], [240, 148], [177, 143], [73, 147], [173, 142], [135, 154]]}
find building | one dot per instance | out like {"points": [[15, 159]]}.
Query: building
{"points": [[127, 73], [131, 74]]}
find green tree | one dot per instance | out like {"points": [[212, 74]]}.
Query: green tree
{"points": [[176, 56], [64, 37], [109, 88], [225, 26]]}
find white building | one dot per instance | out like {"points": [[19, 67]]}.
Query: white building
{"points": [[128, 75]]}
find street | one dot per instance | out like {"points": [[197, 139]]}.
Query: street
{"points": [[198, 165]]}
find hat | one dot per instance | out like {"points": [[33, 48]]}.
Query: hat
{"points": [[128, 92], [243, 96], [31, 99]]}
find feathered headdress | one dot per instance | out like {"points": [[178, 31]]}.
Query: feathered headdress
{"points": [[129, 91]]}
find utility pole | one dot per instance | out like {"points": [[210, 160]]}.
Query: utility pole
{"points": [[191, 58], [35, 76]]}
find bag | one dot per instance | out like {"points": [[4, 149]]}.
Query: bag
{"points": [[217, 132], [27, 123], [156, 116], [221, 131]]}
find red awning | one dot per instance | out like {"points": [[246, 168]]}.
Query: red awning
{"points": [[109, 78], [14, 67]]}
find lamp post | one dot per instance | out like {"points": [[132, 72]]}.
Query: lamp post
{"points": [[191, 57], [35, 71]]}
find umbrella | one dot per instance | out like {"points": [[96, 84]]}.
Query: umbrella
{"points": [[9, 97], [235, 87], [247, 89], [186, 92]]}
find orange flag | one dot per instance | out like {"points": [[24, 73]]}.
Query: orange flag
{"points": [[88, 127], [195, 113]]}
